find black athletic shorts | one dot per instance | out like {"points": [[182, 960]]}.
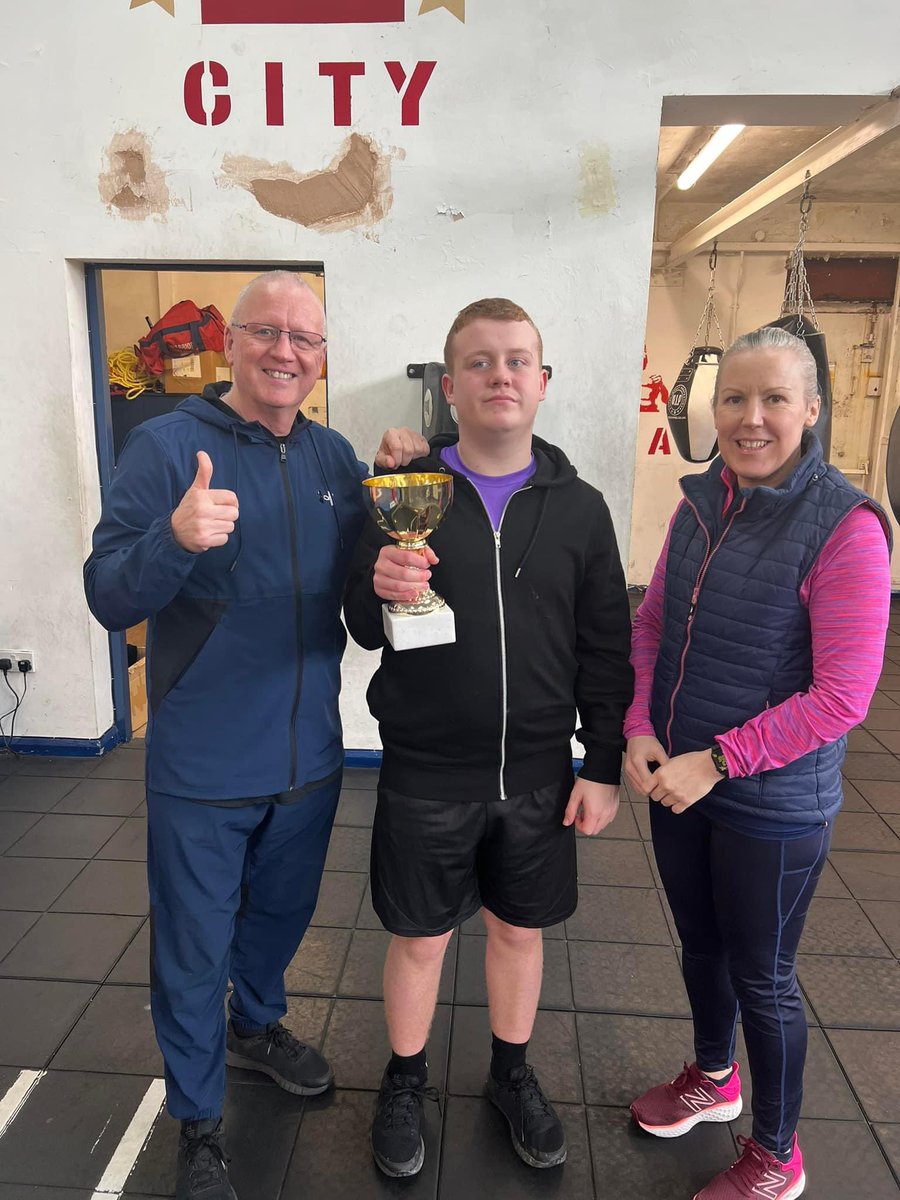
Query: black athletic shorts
{"points": [[435, 863]]}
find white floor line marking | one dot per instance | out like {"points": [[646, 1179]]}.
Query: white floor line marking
{"points": [[18, 1093], [122, 1162], [101, 1133]]}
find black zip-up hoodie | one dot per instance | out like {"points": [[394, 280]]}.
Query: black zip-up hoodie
{"points": [[542, 629]]}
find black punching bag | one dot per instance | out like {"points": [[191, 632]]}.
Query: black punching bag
{"points": [[893, 466], [437, 415], [803, 328], [689, 407]]}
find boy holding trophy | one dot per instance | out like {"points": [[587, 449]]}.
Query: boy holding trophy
{"points": [[477, 804]]}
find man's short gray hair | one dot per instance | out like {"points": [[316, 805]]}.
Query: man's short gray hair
{"points": [[269, 279]]}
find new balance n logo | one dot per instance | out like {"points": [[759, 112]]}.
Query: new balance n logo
{"points": [[697, 1100], [770, 1186]]}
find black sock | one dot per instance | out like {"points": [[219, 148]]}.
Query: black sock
{"points": [[506, 1057], [409, 1064], [724, 1081]]}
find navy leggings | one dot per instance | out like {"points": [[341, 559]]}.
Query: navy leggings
{"points": [[739, 903], [232, 891]]}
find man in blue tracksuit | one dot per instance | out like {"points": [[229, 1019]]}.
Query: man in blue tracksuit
{"points": [[229, 524]]}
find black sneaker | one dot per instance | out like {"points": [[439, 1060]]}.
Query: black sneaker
{"points": [[397, 1142], [202, 1172], [536, 1131], [293, 1065]]}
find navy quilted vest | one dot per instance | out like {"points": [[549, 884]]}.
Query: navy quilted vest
{"points": [[736, 638]]}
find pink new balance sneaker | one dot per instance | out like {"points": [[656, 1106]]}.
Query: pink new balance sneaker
{"points": [[759, 1175], [672, 1109]]}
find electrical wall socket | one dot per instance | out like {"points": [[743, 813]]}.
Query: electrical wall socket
{"points": [[15, 655]]}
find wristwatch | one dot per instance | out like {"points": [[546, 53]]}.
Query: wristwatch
{"points": [[718, 758]]}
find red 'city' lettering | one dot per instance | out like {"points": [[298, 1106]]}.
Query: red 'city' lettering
{"points": [[201, 78], [409, 100], [193, 94], [274, 93], [341, 74]]}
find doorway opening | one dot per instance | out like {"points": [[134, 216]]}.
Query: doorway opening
{"points": [[124, 300]]}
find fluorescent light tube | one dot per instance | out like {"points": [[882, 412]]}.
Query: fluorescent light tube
{"points": [[722, 138]]}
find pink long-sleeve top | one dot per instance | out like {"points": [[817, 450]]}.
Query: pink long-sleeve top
{"points": [[851, 575]]}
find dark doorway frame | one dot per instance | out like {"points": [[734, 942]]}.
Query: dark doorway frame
{"points": [[122, 730]]}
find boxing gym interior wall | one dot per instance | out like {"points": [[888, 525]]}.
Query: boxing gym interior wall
{"points": [[851, 247], [425, 153]]}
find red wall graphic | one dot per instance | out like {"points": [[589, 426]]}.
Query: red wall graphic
{"points": [[300, 12], [654, 397]]}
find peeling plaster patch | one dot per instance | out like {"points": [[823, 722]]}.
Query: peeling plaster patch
{"points": [[447, 210], [353, 191], [133, 185], [598, 189]]}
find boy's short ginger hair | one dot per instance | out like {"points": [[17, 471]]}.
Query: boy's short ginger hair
{"points": [[493, 309]]}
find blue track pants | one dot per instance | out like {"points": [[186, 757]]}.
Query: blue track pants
{"points": [[232, 891]]}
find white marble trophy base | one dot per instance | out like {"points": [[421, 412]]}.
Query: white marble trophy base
{"points": [[411, 631]]}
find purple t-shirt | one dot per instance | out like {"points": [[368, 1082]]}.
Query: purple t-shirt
{"points": [[494, 490]]}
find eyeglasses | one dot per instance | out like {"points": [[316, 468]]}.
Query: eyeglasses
{"points": [[268, 335]]}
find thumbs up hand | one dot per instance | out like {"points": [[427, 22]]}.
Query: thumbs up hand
{"points": [[206, 516]]}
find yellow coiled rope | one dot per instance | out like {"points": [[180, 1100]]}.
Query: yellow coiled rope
{"points": [[127, 371]]}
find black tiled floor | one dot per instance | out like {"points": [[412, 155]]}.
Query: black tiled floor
{"points": [[882, 797], [835, 926], [13, 926], [88, 1113], [357, 1043], [868, 1058], [842, 1160], [128, 842], [628, 1162], [885, 916], [74, 994], [25, 793], [62, 835], [478, 1161], [69, 946], [134, 964], [37, 1016], [114, 1035], [13, 825], [611, 977], [103, 797], [852, 992], [107, 887], [340, 897], [334, 1136]]}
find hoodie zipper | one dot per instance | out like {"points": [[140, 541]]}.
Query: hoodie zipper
{"points": [[298, 604], [504, 681], [695, 595]]}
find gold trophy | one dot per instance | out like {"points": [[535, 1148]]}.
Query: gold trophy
{"points": [[408, 508]]}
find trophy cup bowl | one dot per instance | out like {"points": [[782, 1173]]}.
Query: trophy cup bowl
{"points": [[408, 508]]}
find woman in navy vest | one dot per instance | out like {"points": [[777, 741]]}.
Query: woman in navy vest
{"points": [[757, 647]]}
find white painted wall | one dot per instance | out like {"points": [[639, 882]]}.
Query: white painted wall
{"points": [[525, 94]]}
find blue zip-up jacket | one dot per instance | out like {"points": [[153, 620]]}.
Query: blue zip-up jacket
{"points": [[736, 638], [245, 639]]}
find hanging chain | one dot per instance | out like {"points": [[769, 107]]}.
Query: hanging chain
{"points": [[709, 313], [797, 296]]}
